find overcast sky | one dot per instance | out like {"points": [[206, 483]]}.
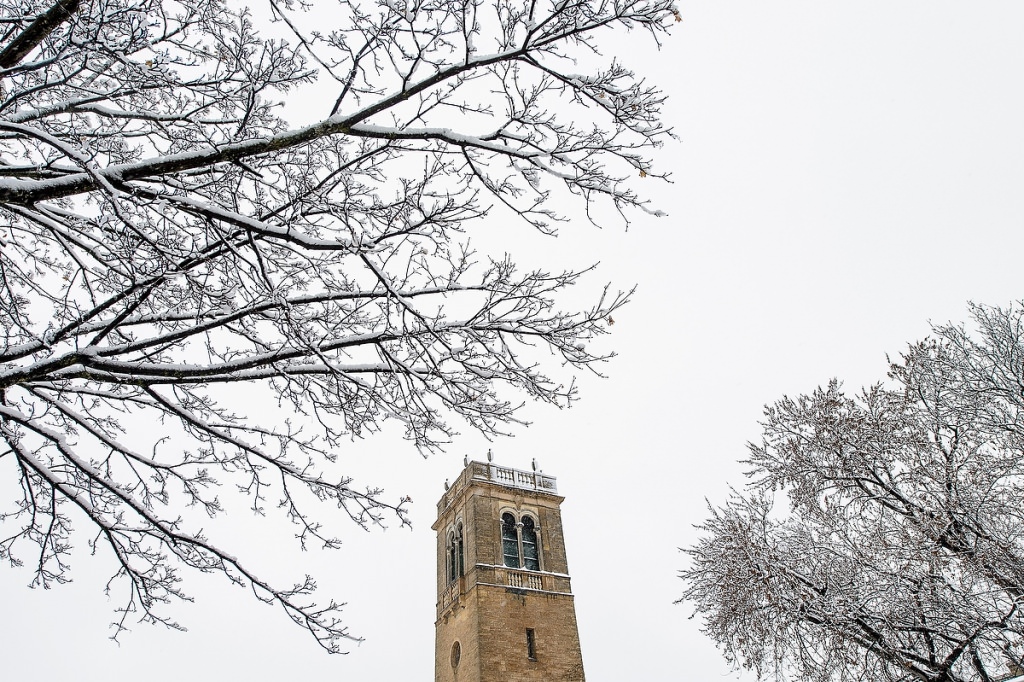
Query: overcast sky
{"points": [[845, 172]]}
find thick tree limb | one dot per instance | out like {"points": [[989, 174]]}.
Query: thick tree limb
{"points": [[29, 39]]}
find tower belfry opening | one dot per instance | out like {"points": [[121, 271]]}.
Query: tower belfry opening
{"points": [[505, 610]]}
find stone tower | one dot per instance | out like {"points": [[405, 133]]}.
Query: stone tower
{"points": [[504, 608]]}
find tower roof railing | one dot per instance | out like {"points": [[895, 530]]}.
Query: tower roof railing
{"points": [[508, 477], [513, 478]]}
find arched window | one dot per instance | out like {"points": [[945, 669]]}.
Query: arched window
{"points": [[531, 558], [520, 546], [452, 557], [460, 556], [509, 540]]}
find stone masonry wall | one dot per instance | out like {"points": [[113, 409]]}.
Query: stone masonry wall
{"points": [[461, 625], [502, 644]]}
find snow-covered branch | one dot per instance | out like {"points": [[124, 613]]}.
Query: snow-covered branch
{"points": [[166, 237]]}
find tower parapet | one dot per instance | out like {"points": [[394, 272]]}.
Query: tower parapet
{"points": [[508, 477]]}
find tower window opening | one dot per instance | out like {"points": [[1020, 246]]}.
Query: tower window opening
{"points": [[460, 556], [509, 540], [520, 544], [531, 645], [531, 558], [456, 654], [452, 557]]}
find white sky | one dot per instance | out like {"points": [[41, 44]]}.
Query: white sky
{"points": [[846, 172]]}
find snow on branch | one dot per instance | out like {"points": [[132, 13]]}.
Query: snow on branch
{"points": [[167, 237]]}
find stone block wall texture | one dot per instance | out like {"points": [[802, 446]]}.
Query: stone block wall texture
{"points": [[490, 626], [460, 624], [552, 540], [503, 649]]}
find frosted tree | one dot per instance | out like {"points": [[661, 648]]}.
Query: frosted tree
{"points": [[167, 238], [902, 555]]}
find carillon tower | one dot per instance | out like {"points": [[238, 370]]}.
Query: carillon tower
{"points": [[504, 608]]}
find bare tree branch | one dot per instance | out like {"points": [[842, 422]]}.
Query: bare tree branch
{"points": [[29, 39], [175, 258]]}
